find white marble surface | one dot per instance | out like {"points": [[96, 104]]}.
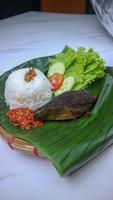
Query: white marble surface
{"points": [[32, 35]]}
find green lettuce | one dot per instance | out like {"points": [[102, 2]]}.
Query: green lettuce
{"points": [[84, 65], [67, 57], [87, 67]]}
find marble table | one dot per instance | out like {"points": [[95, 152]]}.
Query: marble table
{"points": [[28, 36]]}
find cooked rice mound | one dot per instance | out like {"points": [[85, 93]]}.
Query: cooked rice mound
{"points": [[28, 90]]}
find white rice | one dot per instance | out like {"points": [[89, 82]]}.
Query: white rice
{"points": [[33, 94]]}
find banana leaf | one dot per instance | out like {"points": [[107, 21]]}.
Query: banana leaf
{"points": [[71, 144]]}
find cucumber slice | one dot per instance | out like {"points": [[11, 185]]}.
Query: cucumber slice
{"points": [[66, 86], [56, 68]]}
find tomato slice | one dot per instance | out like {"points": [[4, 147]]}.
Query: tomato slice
{"points": [[56, 81]]}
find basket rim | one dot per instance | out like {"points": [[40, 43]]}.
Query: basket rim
{"points": [[19, 144]]}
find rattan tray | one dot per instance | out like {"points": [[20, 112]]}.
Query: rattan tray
{"points": [[19, 144]]}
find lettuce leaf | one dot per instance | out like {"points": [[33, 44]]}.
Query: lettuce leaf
{"points": [[92, 66], [67, 57], [87, 66], [84, 65]]}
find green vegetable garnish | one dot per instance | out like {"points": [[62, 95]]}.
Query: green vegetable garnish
{"points": [[84, 65]]}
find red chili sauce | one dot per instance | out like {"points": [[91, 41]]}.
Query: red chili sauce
{"points": [[23, 118]]}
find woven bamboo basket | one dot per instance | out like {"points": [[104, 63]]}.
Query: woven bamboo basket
{"points": [[18, 144]]}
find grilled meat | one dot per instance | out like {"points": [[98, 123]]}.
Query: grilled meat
{"points": [[69, 105]]}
